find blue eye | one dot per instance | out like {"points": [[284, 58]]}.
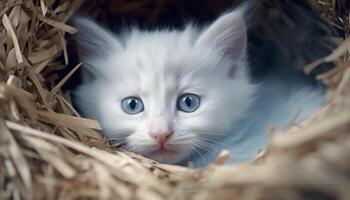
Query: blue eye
{"points": [[188, 103], [132, 105]]}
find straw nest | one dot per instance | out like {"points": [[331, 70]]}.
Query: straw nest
{"points": [[47, 151]]}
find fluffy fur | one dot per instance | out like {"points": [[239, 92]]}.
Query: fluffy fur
{"points": [[158, 67]]}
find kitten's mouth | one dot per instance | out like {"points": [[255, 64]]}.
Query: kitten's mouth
{"points": [[162, 150], [169, 153]]}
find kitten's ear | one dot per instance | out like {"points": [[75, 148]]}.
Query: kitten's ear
{"points": [[228, 34], [94, 42]]}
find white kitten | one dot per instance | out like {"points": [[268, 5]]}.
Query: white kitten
{"points": [[177, 95]]}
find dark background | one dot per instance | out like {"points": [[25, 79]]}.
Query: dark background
{"points": [[284, 35]]}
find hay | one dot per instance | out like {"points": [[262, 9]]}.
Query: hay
{"points": [[47, 151]]}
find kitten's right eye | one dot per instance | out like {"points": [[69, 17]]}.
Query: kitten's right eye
{"points": [[132, 105]]}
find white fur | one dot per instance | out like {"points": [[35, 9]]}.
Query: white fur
{"points": [[158, 67]]}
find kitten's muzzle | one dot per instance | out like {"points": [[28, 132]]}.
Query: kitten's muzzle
{"points": [[160, 129], [161, 137]]}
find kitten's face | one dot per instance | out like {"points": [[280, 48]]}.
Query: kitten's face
{"points": [[167, 94]]}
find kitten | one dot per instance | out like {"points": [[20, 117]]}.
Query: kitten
{"points": [[181, 95]]}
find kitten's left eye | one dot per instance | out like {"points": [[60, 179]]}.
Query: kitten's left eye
{"points": [[132, 105], [188, 103]]}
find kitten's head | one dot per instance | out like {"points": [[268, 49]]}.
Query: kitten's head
{"points": [[166, 93]]}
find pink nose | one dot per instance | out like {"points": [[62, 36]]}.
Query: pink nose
{"points": [[161, 137]]}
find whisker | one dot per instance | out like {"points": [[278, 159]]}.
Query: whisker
{"points": [[116, 138], [207, 145], [231, 153], [200, 154], [206, 148], [119, 136], [214, 133], [212, 147], [183, 140], [211, 141]]}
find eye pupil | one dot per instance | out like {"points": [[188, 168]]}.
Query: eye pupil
{"points": [[188, 101], [132, 104]]}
